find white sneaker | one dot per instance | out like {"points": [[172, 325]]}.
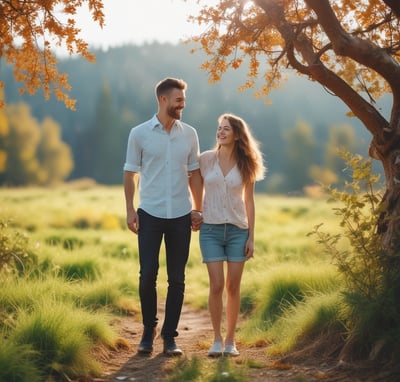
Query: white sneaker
{"points": [[215, 350], [230, 350]]}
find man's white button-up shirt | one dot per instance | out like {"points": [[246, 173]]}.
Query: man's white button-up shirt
{"points": [[163, 161]]}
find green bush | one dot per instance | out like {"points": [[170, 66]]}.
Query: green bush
{"points": [[359, 257]]}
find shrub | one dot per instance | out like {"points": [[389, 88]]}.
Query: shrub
{"points": [[358, 254]]}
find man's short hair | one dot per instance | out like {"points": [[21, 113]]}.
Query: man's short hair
{"points": [[167, 84]]}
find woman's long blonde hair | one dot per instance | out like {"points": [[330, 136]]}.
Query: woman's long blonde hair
{"points": [[247, 152]]}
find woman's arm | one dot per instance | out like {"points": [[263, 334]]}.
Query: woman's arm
{"points": [[250, 211]]}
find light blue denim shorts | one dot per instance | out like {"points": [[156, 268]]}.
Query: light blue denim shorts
{"points": [[222, 242]]}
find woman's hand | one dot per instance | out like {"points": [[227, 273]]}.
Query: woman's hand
{"points": [[197, 219], [249, 249]]}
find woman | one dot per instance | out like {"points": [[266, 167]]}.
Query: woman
{"points": [[229, 173]]}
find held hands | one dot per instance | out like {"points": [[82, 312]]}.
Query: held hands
{"points": [[132, 220], [197, 219]]}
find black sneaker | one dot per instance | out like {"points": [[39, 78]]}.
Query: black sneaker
{"points": [[170, 347], [146, 343]]}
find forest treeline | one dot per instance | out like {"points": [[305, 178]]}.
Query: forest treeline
{"points": [[300, 128]]}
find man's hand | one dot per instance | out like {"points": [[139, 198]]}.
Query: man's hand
{"points": [[197, 219], [132, 221]]}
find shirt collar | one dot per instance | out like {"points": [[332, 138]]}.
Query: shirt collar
{"points": [[155, 123]]}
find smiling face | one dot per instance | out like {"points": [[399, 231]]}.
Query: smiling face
{"points": [[225, 133], [175, 103]]}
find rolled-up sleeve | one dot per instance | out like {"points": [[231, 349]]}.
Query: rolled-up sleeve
{"points": [[133, 160]]}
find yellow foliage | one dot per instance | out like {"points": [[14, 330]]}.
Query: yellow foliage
{"points": [[110, 222], [29, 30]]}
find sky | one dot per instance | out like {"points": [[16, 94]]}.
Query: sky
{"points": [[140, 21]]}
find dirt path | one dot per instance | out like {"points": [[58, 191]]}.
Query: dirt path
{"points": [[194, 339]]}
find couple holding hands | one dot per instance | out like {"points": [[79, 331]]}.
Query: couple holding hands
{"points": [[181, 190]]}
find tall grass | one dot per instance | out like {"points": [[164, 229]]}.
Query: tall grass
{"points": [[315, 315], [289, 284], [62, 338], [18, 362], [86, 267], [283, 289]]}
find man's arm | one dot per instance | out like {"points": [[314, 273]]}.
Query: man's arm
{"points": [[132, 219], [196, 189]]}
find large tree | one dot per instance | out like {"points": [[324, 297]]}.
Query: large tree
{"points": [[30, 30], [350, 47]]}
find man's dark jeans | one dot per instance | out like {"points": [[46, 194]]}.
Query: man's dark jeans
{"points": [[176, 233]]}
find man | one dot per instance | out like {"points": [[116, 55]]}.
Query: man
{"points": [[164, 153]]}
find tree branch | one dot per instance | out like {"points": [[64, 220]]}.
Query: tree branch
{"points": [[368, 114], [360, 50]]}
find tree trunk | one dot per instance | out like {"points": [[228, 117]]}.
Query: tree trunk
{"points": [[389, 227]]}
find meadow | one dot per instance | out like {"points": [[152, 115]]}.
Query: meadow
{"points": [[75, 266]]}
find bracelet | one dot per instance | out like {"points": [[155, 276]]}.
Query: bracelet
{"points": [[200, 212]]}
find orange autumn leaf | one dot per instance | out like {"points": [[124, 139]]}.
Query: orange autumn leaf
{"points": [[30, 30]]}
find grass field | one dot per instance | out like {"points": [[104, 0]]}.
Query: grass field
{"points": [[84, 269]]}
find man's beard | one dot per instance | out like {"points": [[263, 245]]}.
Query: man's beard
{"points": [[175, 113]]}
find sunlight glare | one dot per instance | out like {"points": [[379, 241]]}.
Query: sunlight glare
{"points": [[138, 22]]}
